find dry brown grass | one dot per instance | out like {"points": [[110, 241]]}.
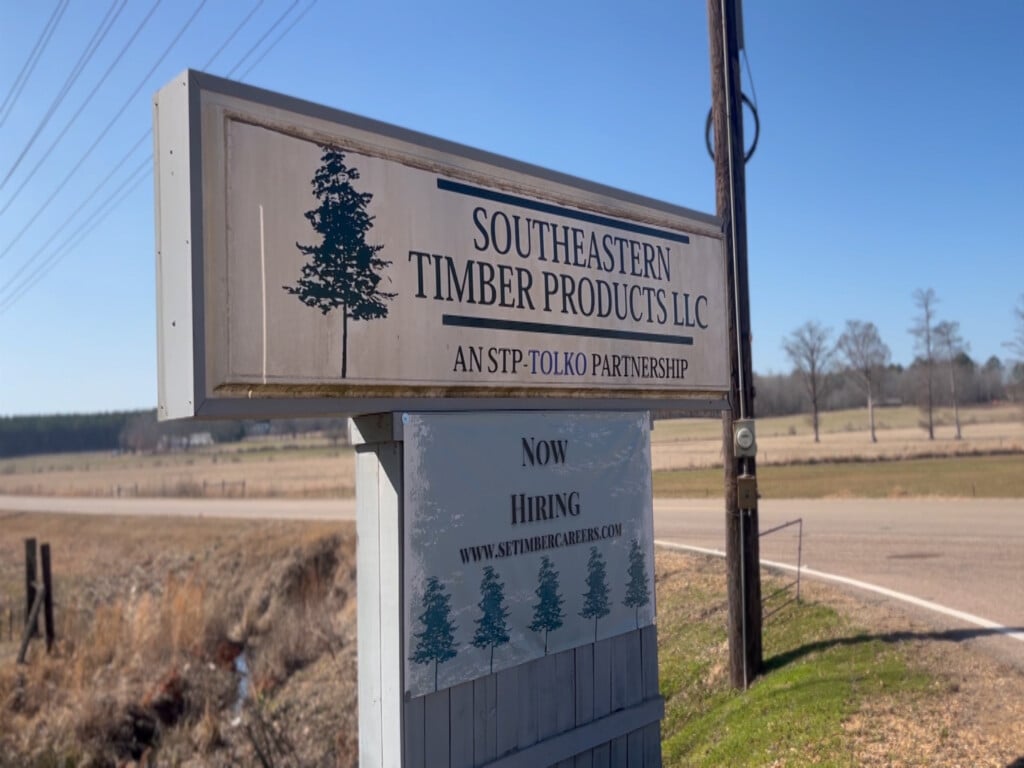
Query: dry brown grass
{"points": [[151, 615], [314, 468]]}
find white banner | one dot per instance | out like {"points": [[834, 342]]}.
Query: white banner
{"points": [[525, 534]]}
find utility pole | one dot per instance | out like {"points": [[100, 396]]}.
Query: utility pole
{"points": [[742, 549]]}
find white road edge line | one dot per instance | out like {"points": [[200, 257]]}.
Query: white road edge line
{"points": [[805, 571]]}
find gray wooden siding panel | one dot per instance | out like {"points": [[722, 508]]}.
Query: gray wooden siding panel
{"points": [[619, 752], [527, 731], [546, 686], [414, 734], [565, 691], [634, 668], [602, 756], [584, 660], [649, 649], [652, 746], [485, 719], [460, 725], [436, 726], [507, 684], [602, 678], [635, 749]]}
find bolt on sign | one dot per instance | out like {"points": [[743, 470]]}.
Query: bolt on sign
{"points": [[311, 260], [525, 535]]}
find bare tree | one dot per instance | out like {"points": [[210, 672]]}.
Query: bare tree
{"points": [[811, 353], [867, 356], [951, 346], [923, 330], [1016, 345]]}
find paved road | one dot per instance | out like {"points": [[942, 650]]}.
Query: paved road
{"points": [[964, 554]]}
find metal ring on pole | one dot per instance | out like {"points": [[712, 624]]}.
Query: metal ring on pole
{"points": [[757, 131]]}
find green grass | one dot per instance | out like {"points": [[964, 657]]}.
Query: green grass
{"points": [[819, 672], [966, 476]]}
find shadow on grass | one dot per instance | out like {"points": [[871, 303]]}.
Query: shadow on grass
{"points": [[950, 636]]}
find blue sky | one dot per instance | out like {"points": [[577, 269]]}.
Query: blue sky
{"points": [[890, 156]]}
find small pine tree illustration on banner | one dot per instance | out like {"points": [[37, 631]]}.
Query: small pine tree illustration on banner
{"points": [[595, 600], [637, 592], [436, 643], [491, 629], [343, 270], [547, 613]]}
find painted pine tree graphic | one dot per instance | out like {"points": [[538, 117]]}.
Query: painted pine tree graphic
{"points": [[491, 629], [595, 600], [436, 643], [637, 592], [547, 613], [343, 270]]}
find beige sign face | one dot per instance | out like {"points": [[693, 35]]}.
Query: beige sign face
{"points": [[346, 262]]}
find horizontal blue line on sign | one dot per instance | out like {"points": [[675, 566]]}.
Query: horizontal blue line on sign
{"points": [[569, 213], [462, 321]]}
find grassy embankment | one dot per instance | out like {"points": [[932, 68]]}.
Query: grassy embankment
{"points": [[150, 616]]}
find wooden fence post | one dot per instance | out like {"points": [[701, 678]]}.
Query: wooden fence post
{"points": [[47, 598], [30, 583]]}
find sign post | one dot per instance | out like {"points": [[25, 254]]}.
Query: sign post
{"points": [[506, 589], [500, 333]]}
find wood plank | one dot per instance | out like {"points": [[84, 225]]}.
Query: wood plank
{"points": [[565, 691], [652, 746], [437, 743], [507, 717], [460, 725], [527, 731], [635, 749], [615, 726], [415, 727], [584, 760], [546, 686], [602, 677], [485, 719], [649, 652], [584, 660], [619, 752], [620, 672], [602, 756], [634, 668]]}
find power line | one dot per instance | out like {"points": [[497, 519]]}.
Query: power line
{"points": [[263, 37], [83, 60], [102, 211], [127, 102], [231, 37], [16, 292], [33, 58], [277, 40], [57, 232]]}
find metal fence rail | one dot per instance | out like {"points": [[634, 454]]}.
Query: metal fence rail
{"points": [[786, 588]]}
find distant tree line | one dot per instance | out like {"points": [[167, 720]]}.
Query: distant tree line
{"points": [[139, 431], [854, 369]]}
